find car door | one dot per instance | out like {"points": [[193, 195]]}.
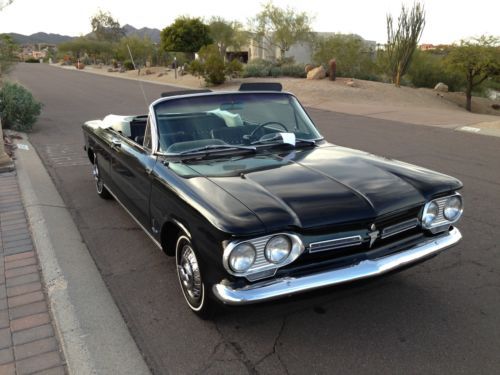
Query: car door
{"points": [[131, 166]]}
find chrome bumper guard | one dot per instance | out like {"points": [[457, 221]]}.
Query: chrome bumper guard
{"points": [[286, 286]]}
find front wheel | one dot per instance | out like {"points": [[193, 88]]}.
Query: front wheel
{"points": [[99, 183], [190, 278]]}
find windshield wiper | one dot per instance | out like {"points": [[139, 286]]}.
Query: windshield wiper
{"points": [[216, 148], [205, 150]]}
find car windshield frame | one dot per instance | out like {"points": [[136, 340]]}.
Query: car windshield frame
{"points": [[239, 112]]}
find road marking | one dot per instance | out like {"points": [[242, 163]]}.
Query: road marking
{"points": [[66, 155], [469, 129]]}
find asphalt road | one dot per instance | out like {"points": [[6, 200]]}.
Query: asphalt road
{"points": [[442, 316]]}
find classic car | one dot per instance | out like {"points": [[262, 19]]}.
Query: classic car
{"points": [[254, 204]]}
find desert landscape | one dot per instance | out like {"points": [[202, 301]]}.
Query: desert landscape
{"points": [[353, 96]]}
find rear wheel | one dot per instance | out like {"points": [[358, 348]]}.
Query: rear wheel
{"points": [[99, 183], [195, 291]]}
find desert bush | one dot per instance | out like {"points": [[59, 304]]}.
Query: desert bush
{"points": [[275, 71], [428, 69], [18, 109], [355, 58], [257, 68], [294, 70], [210, 65], [214, 72], [128, 65], [196, 68], [234, 68], [32, 60]]}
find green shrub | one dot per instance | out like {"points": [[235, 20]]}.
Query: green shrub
{"points": [[258, 68], [275, 71], [294, 70], [196, 68], [214, 69], [32, 60], [427, 70], [18, 109], [234, 68], [128, 65]]}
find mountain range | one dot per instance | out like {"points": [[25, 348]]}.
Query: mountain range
{"points": [[41, 37]]}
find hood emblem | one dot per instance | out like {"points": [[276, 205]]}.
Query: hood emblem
{"points": [[373, 235]]}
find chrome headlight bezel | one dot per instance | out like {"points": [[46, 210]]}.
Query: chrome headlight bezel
{"points": [[439, 220], [246, 253], [262, 267], [459, 211], [274, 253]]}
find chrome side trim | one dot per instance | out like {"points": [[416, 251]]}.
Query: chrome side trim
{"points": [[336, 243], [133, 217], [286, 286], [399, 228]]}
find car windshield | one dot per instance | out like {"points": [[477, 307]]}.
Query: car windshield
{"points": [[216, 121]]}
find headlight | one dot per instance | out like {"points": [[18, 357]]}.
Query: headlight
{"points": [[430, 214], [277, 249], [453, 208], [242, 257]]}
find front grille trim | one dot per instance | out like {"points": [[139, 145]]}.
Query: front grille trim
{"points": [[336, 243], [398, 228]]}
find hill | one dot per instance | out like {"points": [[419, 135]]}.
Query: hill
{"points": [[40, 37], [153, 34]]}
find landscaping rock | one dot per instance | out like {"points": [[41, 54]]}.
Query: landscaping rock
{"points": [[441, 87], [316, 73], [351, 83], [308, 68]]}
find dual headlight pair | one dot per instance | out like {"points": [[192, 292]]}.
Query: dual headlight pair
{"points": [[260, 257], [243, 256], [441, 212]]}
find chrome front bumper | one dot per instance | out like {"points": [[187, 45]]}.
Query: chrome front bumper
{"points": [[286, 286]]}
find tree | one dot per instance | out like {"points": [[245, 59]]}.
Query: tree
{"points": [[4, 3], [142, 49], [353, 54], [402, 41], [94, 49], [476, 59], [226, 34], [105, 27], [185, 35], [281, 28], [7, 54]]}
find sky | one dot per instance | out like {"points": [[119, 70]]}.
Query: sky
{"points": [[447, 21]]}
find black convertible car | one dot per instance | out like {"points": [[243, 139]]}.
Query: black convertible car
{"points": [[255, 205]]}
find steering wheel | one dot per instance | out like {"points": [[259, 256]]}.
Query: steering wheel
{"points": [[251, 135]]}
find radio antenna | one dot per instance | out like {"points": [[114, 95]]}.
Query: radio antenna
{"points": [[138, 80]]}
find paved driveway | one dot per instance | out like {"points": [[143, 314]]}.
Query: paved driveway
{"points": [[440, 317]]}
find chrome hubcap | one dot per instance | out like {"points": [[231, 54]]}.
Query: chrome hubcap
{"points": [[189, 275], [97, 178]]}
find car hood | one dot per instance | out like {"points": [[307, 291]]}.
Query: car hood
{"points": [[323, 186]]}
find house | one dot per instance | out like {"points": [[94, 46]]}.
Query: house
{"points": [[301, 51]]}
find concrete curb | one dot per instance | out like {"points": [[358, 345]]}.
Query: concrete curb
{"points": [[93, 334], [88, 71]]}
